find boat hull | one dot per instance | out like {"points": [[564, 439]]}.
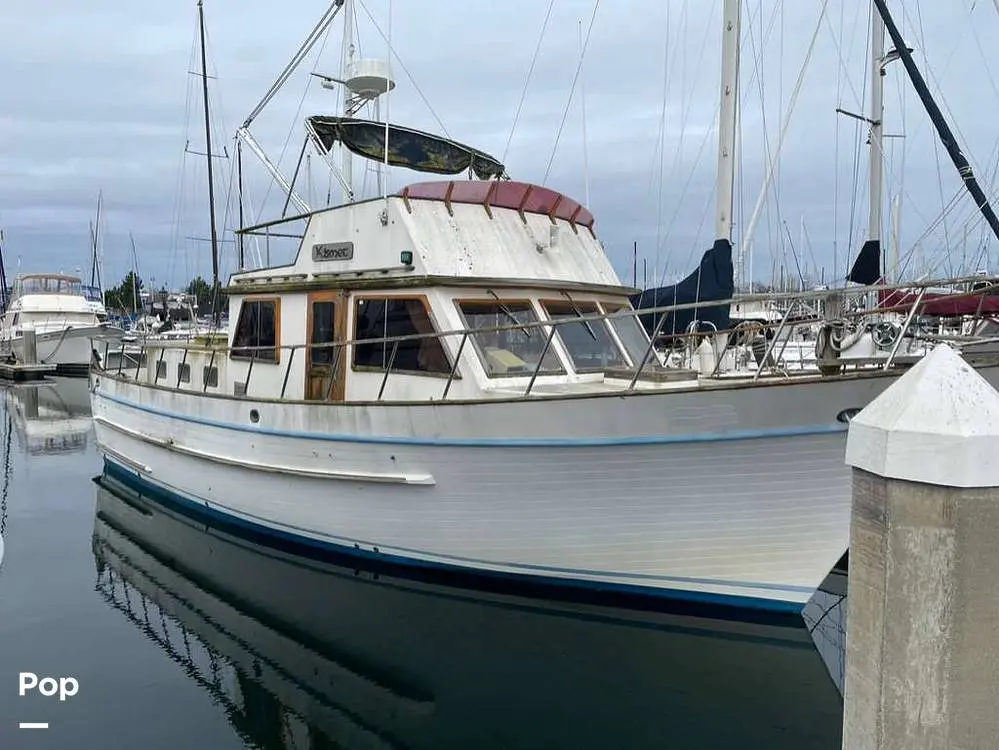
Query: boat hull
{"points": [[69, 349], [357, 653], [736, 496]]}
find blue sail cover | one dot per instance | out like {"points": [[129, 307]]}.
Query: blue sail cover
{"points": [[713, 280], [867, 267]]}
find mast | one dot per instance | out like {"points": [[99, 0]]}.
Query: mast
{"points": [[867, 267], [3, 277], [211, 181], [95, 238], [876, 160], [239, 190], [346, 62], [946, 136], [728, 119]]}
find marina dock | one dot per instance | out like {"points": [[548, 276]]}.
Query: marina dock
{"points": [[19, 372], [29, 369]]}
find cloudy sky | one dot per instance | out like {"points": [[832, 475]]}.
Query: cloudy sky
{"points": [[98, 96]]}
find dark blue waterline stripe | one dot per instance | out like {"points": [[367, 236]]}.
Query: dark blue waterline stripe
{"points": [[411, 585], [133, 479], [709, 437]]}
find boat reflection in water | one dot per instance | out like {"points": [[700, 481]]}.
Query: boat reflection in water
{"points": [[51, 417], [304, 653]]}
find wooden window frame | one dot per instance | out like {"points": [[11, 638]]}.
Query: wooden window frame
{"points": [[427, 308], [276, 299]]}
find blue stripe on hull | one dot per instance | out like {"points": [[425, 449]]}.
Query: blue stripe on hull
{"points": [[678, 601], [706, 437]]}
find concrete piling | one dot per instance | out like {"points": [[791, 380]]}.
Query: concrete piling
{"points": [[922, 647]]}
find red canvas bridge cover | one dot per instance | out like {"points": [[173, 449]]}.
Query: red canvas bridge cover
{"points": [[520, 196]]}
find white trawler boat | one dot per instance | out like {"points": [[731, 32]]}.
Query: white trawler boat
{"points": [[453, 376], [506, 446], [63, 319]]}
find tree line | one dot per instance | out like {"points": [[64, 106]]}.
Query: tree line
{"points": [[127, 297]]}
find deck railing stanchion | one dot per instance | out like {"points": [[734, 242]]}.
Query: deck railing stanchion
{"points": [[541, 358], [180, 370], [207, 370], [454, 367], [773, 343], [648, 350], [334, 370], [287, 371], [395, 349], [901, 334], [156, 375], [249, 371]]}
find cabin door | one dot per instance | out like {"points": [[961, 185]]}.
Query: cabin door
{"points": [[325, 365]]}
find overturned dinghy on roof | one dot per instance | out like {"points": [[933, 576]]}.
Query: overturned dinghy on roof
{"points": [[409, 148]]}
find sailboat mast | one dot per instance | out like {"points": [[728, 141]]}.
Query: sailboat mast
{"points": [[876, 158], [943, 130], [211, 181], [346, 63], [728, 119], [239, 189], [95, 232], [3, 277]]}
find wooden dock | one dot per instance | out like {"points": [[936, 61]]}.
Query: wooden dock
{"points": [[20, 373]]}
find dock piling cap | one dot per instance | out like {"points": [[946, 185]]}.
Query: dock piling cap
{"points": [[937, 424]]}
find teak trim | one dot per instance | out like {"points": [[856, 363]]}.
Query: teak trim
{"points": [[276, 299], [339, 300], [427, 308]]}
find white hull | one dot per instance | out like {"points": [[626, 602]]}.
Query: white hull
{"points": [[752, 509], [68, 347]]}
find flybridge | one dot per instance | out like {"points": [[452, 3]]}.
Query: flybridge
{"points": [[522, 197]]}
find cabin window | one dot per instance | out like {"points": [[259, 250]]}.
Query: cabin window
{"points": [[257, 330], [589, 342], [511, 351], [397, 316], [183, 373], [211, 377], [161, 370], [632, 335]]}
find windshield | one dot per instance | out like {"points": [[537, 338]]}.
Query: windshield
{"points": [[514, 351], [632, 335], [588, 342], [49, 285]]}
